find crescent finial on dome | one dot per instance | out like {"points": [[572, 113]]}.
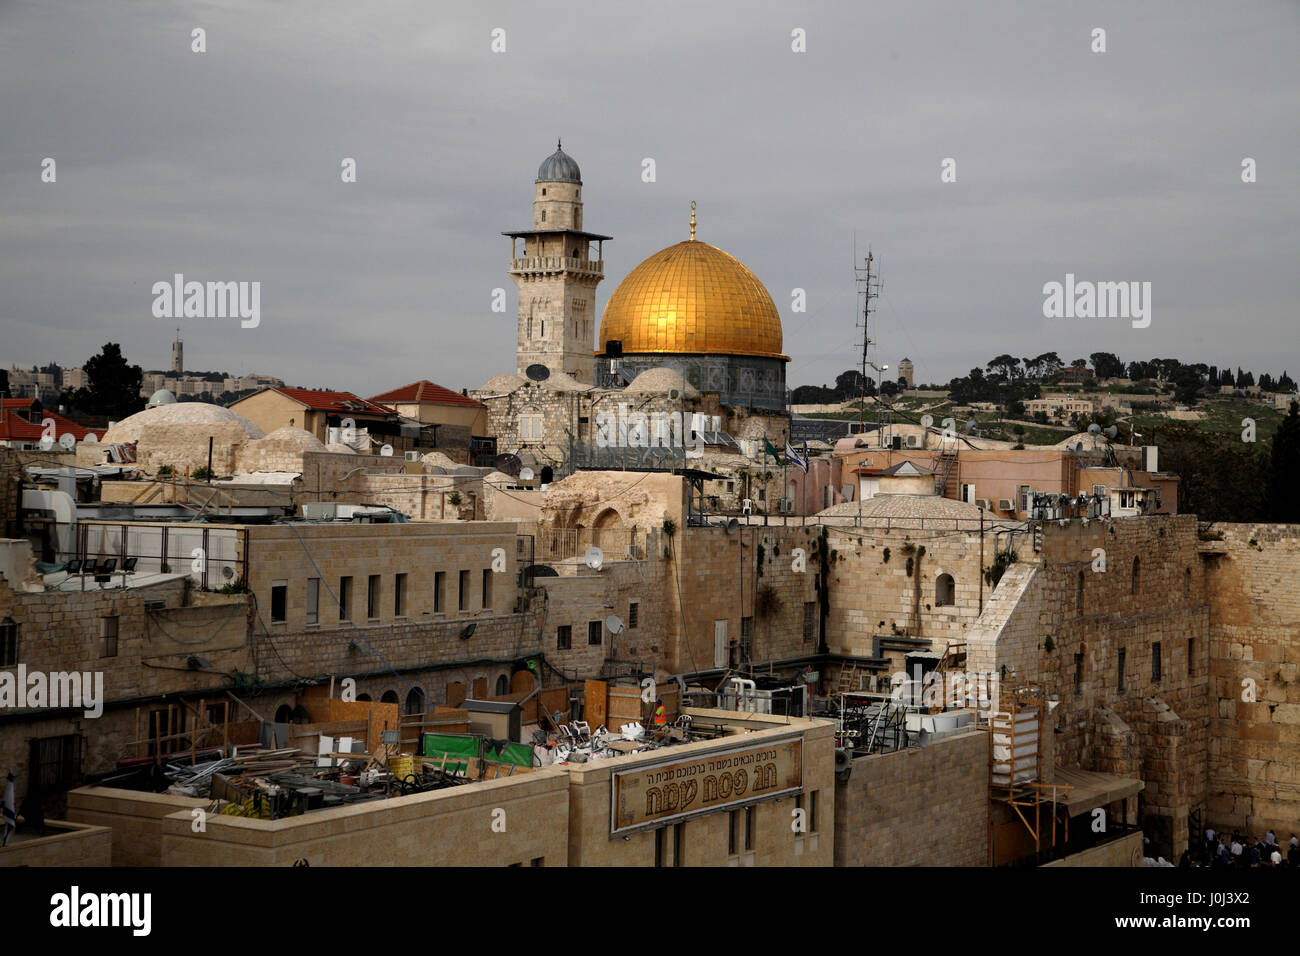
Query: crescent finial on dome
{"points": [[692, 220]]}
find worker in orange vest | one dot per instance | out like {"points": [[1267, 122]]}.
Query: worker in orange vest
{"points": [[661, 714]]}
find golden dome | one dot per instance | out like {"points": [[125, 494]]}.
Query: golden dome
{"points": [[692, 298]]}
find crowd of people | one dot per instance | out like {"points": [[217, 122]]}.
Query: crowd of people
{"points": [[1222, 849]]}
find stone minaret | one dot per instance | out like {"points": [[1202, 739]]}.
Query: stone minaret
{"points": [[178, 360], [557, 275]]}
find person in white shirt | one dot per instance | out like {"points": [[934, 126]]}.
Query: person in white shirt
{"points": [[1270, 838]]}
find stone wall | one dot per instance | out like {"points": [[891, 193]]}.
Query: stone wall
{"points": [[916, 807], [64, 844], [1124, 851], [1254, 668]]}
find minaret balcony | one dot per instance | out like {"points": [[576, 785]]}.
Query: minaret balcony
{"points": [[534, 265]]}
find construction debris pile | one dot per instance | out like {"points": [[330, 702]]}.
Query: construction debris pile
{"points": [[271, 784], [576, 742]]}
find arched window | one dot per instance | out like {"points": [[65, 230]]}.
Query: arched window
{"points": [[503, 685], [1187, 582], [389, 697], [1078, 594], [543, 215], [1137, 568], [945, 591], [283, 714], [415, 701], [8, 642], [361, 697]]}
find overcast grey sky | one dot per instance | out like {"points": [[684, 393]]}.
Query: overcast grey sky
{"points": [[225, 165]]}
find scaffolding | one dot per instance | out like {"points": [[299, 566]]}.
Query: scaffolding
{"points": [[1016, 765]]}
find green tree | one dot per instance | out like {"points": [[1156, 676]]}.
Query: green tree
{"points": [[1107, 365], [113, 385]]}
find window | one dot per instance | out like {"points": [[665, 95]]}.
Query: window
{"points": [[1155, 661], [595, 631], [968, 493], [1187, 583], [1121, 671], [633, 607], [388, 697], [399, 595], [677, 843], [372, 597], [749, 829], [809, 619], [8, 642], [108, 636], [415, 701], [503, 685], [543, 215], [1191, 646], [487, 587], [345, 598], [732, 820], [746, 636], [564, 637], [463, 596], [1024, 497], [439, 585], [1078, 672], [659, 846], [313, 600], [279, 593], [945, 591], [1137, 567], [1099, 491], [55, 763], [1078, 594], [530, 427], [812, 811]]}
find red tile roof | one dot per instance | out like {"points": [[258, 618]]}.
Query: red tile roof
{"points": [[324, 401], [18, 427], [425, 392]]}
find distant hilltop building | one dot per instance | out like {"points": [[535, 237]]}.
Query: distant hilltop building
{"points": [[905, 372]]}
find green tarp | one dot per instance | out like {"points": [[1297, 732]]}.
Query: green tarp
{"points": [[467, 746]]}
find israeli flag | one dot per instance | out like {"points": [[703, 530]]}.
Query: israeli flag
{"points": [[793, 457]]}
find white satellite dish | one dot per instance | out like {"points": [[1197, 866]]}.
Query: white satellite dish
{"points": [[386, 451], [594, 558], [525, 474], [46, 443], [614, 623], [91, 438], [67, 441]]}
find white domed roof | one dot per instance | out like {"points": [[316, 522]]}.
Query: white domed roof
{"points": [[161, 397], [504, 383], [299, 436], [180, 413]]}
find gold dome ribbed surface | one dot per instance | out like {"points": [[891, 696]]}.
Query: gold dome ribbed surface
{"points": [[692, 298]]}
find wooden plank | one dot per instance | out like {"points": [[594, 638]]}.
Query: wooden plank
{"points": [[597, 703]]}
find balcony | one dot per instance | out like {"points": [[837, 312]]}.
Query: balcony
{"points": [[557, 264]]}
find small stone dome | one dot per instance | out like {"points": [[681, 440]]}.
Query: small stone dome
{"points": [[299, 436], [340, 449], [659, 380], [559, 167], [179, 413], [161, 397]]}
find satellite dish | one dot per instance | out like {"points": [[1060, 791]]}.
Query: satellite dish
{"points": [[1112, 431], [467, 631], [67, 442], [91, 438], [507, 465], [46, 443], [386, 451], [227, 572], [538, 372], [674, 394], [594, 558], [731, 525], [614, 623], [525, 474], [1094, 429], [971, 425]]}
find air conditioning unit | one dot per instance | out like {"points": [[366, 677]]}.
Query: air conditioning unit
{"points": [[785, 506], [412, 456], [1150, 458], [1006, 504], [983, 503], [914, 441]]}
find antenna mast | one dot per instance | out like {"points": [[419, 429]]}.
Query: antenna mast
{"points": [[868, 289]]}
